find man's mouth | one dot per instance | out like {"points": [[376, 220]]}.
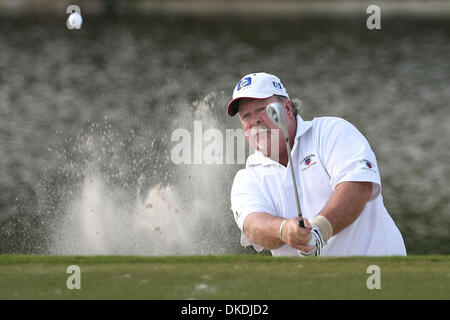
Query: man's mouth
{"points": [[264, 133], [256, 132]]}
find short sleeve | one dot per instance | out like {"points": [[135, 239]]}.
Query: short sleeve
{"points": [[347, 155], [246, 198]]}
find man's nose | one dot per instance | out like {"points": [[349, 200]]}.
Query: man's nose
{"points": [[256, 121]]}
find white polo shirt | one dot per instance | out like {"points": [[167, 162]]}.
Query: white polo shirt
{"points": [[326, 152]]}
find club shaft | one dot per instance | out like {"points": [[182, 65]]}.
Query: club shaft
{"points": [[291, 165]]}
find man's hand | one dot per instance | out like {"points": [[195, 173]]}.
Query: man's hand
{"points": [[295, 236], [319, 243]]}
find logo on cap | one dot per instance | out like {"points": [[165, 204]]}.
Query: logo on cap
{"points": [[277, 85], [244, 82]]}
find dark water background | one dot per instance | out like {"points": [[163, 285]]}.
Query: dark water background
{"points": [[108, 96]]}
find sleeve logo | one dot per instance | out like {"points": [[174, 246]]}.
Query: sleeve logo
{"points": [[367, 165]]}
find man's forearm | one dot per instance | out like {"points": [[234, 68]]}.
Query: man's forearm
{"points": [[343, 208], [346, 204], [264, 229]]}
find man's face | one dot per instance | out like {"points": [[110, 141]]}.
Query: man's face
{"points": [[261, 133]]}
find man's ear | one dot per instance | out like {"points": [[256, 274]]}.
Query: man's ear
{"points": [[289, 109]]}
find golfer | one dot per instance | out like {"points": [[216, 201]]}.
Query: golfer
{"points": [[338, 182]]}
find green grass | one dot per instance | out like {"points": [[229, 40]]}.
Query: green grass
{"points": [[223, 277]]}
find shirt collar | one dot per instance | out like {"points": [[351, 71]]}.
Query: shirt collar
{"points": [[302, 127], [258, 158]]}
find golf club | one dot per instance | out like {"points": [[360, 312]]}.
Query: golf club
{"points": [[276, 114]]}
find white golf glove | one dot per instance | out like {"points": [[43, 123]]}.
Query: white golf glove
{"points": [[317, 240]]}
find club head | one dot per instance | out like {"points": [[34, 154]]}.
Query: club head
{"points": [[276, 114]]}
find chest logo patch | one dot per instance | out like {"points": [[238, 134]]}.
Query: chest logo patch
{"points": [[308, 161]]}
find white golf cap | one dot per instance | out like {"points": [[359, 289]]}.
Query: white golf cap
{"points": [[256, 86]]}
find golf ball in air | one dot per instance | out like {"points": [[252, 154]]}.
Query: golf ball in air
{"points": [[75, 20]]}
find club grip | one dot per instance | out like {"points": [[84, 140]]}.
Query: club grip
{"points": [[301, 223]]}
